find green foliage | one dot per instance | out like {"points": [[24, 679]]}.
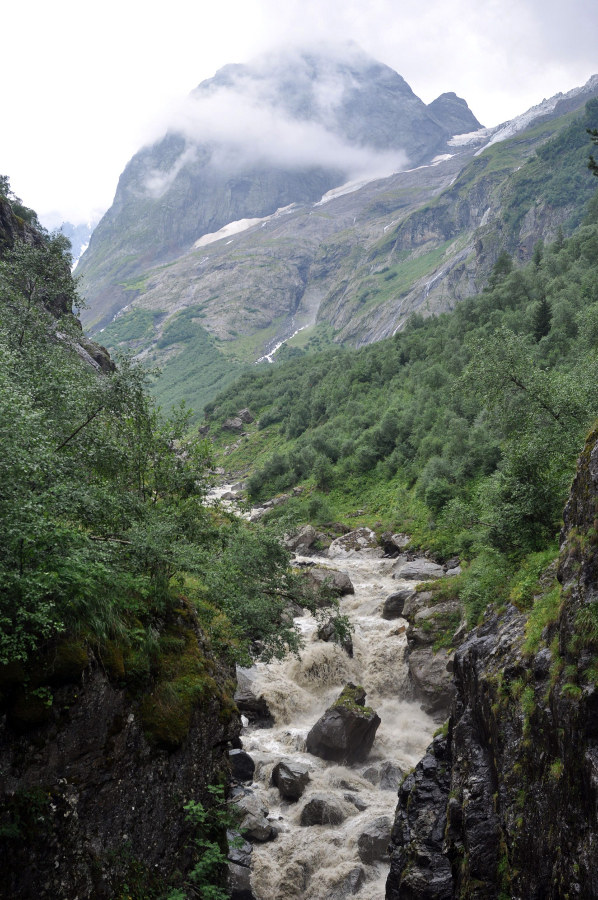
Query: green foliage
{"points": [[102, 504], [209, 824], [472, 420], [22, 212], [486, 582]]}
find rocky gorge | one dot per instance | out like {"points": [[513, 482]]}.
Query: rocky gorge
{"points": [[322, 761], [504, 804]]}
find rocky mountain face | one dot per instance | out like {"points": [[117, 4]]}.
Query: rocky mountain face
{"points": [[258, 240], [254, 139], [504, 804]]}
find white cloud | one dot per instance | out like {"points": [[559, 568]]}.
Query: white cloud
{"points": [[92, 78], [246, 120]]}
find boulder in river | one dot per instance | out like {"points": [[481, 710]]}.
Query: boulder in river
{"points": [[350, 885], [395, 603], [306, 537], [327, 632], [346, 731], [239, 882], [241, 764], [320, 810], [419, 570], [290, 778], [372, 844], [248, 703], [252, 818], [362, 540], [431, 674], [337, 582]]}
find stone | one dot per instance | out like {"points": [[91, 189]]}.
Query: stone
{"points": [[451, 573], [338, 582], [372, 843], [418, 600], [395, 542], [253, 822], [245, 416], [241, 764], [233, 424], [391, 776], [327, 633], [361, 540], [432, 679], [349, 886], [239, 882], [239, 850], [419, 570], [302, 540], [320, 810], [346, 731], [256, 513], [291, 779], [358, 802], [433, 622], [253, 707], [395, 603]]}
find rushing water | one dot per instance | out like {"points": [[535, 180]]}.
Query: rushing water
{"points": [[321, 862]]}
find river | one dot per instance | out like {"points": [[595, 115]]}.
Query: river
{"points": [[321, 862]]}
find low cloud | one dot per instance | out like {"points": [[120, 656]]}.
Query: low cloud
{"points": [[280, 114]]}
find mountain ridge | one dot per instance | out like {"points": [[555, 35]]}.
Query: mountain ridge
{"points": [[359, 259]]}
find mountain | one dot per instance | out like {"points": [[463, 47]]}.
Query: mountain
{"points": [[256, 138], [218, 250]]}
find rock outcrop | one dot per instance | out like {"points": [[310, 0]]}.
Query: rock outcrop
{"points": [[506, 805], [95, 779]]}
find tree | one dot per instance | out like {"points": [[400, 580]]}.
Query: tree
{"points": [[592, 164], [542, 319]]}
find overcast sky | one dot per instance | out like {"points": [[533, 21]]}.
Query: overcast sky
{"points": [[85, 83]]}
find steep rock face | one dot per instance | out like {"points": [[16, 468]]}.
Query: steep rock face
{"points": [[92, 798], [453, 113], [517, 813]]}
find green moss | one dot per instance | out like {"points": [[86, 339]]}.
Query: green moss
{"points": [[544, 612], [185, 678], [443, 730], [113, 660], [69, 661], [350, 698]]}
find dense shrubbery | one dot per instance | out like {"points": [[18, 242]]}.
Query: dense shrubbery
{"points": [[478, 413], [103, 519]]}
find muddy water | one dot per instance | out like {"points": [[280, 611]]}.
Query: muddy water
{"points": [[322, 862]]}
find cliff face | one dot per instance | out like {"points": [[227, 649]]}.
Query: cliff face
{"points": [[96, 771], [506, 804]]}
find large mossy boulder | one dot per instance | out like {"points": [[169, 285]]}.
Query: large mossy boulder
{"points": [[346, 731]]}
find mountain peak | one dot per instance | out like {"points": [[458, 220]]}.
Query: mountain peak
{"points": [[453, 113]]}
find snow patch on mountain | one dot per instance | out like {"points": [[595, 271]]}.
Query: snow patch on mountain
{"points": [[545, 108], [240, 225]]}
